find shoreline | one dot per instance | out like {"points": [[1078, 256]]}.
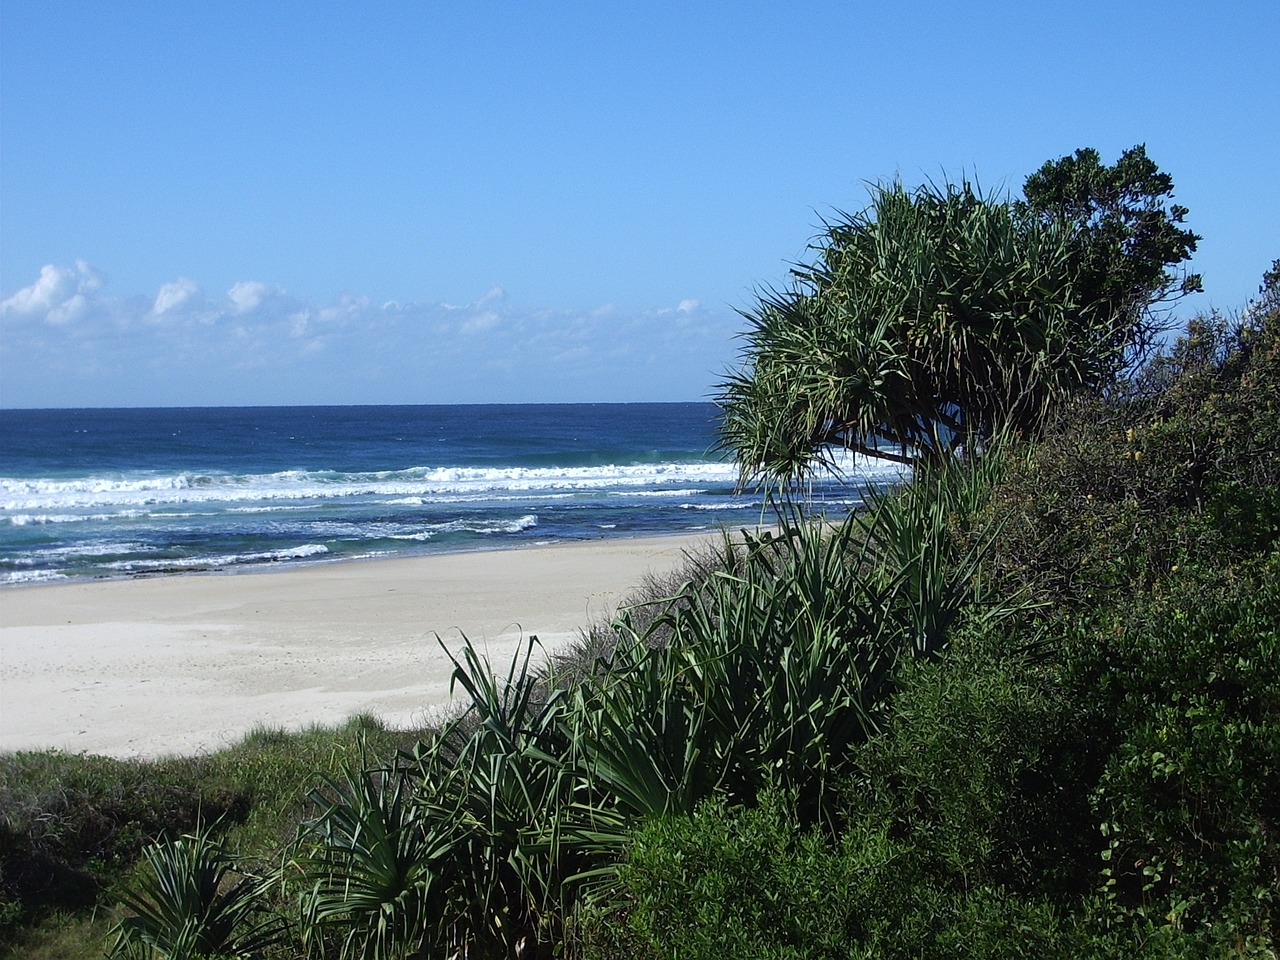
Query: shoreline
{"points": [[186, 664]]}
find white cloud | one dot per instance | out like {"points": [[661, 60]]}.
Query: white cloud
{"points": [[58, 296], [348, 308], [70, 310], [247, 295], [91, 278], [209, 346], [494, 294], [174, 295], [53, 287], [480, 323]]}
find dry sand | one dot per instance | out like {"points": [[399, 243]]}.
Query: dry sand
{"points": [[191, 663]]}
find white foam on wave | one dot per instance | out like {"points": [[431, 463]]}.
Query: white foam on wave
{"points": [[34, 496], [89, 549], [726, 505], [515, 526], [28, 519], [302, 552], [273, 508], [518, 525], [15, 577]]}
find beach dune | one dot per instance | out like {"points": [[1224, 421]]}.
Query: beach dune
{"points": [[188, 664]]}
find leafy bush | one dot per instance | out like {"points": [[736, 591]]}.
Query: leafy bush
{"points": [[465, 842], [769, 674], [979, 772], [1121, 803], [1189, 802], [775, 666], [72, 825], [1180, 466], [730, 882]]}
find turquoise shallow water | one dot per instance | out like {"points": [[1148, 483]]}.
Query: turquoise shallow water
{"points": [[120, 493]]}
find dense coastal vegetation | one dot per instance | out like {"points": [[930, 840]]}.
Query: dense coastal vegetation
{"points": [[1026, 705]]}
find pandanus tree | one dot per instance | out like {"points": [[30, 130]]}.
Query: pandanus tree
{"points": [[940, 317]]}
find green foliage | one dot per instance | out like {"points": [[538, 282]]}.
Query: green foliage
{"points": [[1122, 802], [779, 632], [978, 770], [1183, 465], [926, 323], [68, 822], [193, 901], [729, 882], [926, 550], [777, 665], [1097, 780], [373, 864], [938, 319], [465, 841], [1189, 802], [1128, 233], [72, 825], [60, 936]]}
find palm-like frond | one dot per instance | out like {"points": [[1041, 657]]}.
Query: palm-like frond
{"points": [[193, 901], [376, 858], [930, 322]]}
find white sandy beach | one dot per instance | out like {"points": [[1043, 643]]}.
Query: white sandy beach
{"points": [[191, 663]]}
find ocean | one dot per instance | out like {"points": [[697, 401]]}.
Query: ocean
{"points": [[98, 493]]}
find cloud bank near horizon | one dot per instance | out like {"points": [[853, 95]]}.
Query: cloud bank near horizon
{"points": [[68, 341]]}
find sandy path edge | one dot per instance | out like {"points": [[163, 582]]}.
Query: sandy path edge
{"points": [[191, 663]]}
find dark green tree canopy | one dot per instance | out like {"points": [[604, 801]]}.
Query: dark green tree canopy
{"points": [[939, 317], [1130, 236]]}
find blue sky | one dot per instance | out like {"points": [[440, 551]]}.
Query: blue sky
{"points": [[416, 202]]}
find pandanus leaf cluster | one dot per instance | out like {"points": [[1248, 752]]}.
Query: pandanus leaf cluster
{"points": [[940, 317], [193, 900]]}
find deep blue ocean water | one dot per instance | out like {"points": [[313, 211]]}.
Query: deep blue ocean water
{"points": [[137, 492]]}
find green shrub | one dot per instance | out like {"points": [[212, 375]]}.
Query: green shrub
{"points": [[1180, 466], [72, 825], [771, 669], [731, 882], [983, 772], [1189, 802], [466, 842]]}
